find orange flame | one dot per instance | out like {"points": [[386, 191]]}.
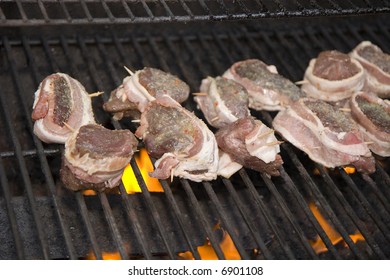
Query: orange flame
{"points": [[207, 251], [349, 169], [318, 245], [105, 256], [145, 165]]}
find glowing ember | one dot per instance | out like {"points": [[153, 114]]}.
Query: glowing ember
{"points": [[207, 251], [145, 165], [89, 192], [318, 245], [105, 256], [350, 169]]}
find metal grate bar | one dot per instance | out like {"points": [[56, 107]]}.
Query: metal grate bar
{"points": [[245, 215], [11, 213], [180, 218], [313, 189], [21, 11], [199, 213], [167, 9], [225, 220], [132, 216], [263, 209], [44, 164], [113, 227], [88, 225], [18, 151], [30, 153], [221, 10], [128, 10], [366, 205], [65, 10], [86, 10], [43, 11], [108, 11], [153, 210], [363, 230]]}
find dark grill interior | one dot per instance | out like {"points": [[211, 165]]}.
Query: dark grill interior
{"points": [[266, 218]]}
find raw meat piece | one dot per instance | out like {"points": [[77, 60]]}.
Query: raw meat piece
{"points": [[222, 101], [377, 66], [95, 157], [325, 133], [266, 88], [333, 76], [182, 143], [373, 116], [61, 105]]}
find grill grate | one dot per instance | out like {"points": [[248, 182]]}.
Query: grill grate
{"points": [[266, 218], [53, 12]]}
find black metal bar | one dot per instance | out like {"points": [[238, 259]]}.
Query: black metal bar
{"points": [[44, 164], [88, 225], [265, 212], [245, 216], [86, 11], [167, 9], [180, 218], [108, 11], [225, 220], [18, 152], [113, 227], [351, 213], [128, 10], [153, 210], [65, 10], [292, 189], [11, 213], [206, 225], [21, 11], [132, 216], [30, 153], [313, 189], [43, 10]]}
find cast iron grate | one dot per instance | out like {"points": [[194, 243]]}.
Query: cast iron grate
{"points": [[266, 218], [51, 12]]}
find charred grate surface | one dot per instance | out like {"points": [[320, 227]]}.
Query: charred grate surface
{"points": [[265, 218], [89, 12]]}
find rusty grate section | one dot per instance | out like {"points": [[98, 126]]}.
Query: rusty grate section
{"points": [[264, 218]]}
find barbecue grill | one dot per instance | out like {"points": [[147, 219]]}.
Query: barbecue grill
{"points": [[309, 212]]}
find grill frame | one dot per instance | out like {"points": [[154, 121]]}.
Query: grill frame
{"points": [[156, 50], [95, 12]]}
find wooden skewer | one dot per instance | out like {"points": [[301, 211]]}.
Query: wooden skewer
{"points": [[266, 133], [129, 71], [69, 127], [345, 109], [200, 94], [172, 175], [136, 121], [273, 143], [95, 94], [214, 119], [368, 142], [302, 82]]}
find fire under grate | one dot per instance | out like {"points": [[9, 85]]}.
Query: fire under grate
{"points": [[308, 212]]}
